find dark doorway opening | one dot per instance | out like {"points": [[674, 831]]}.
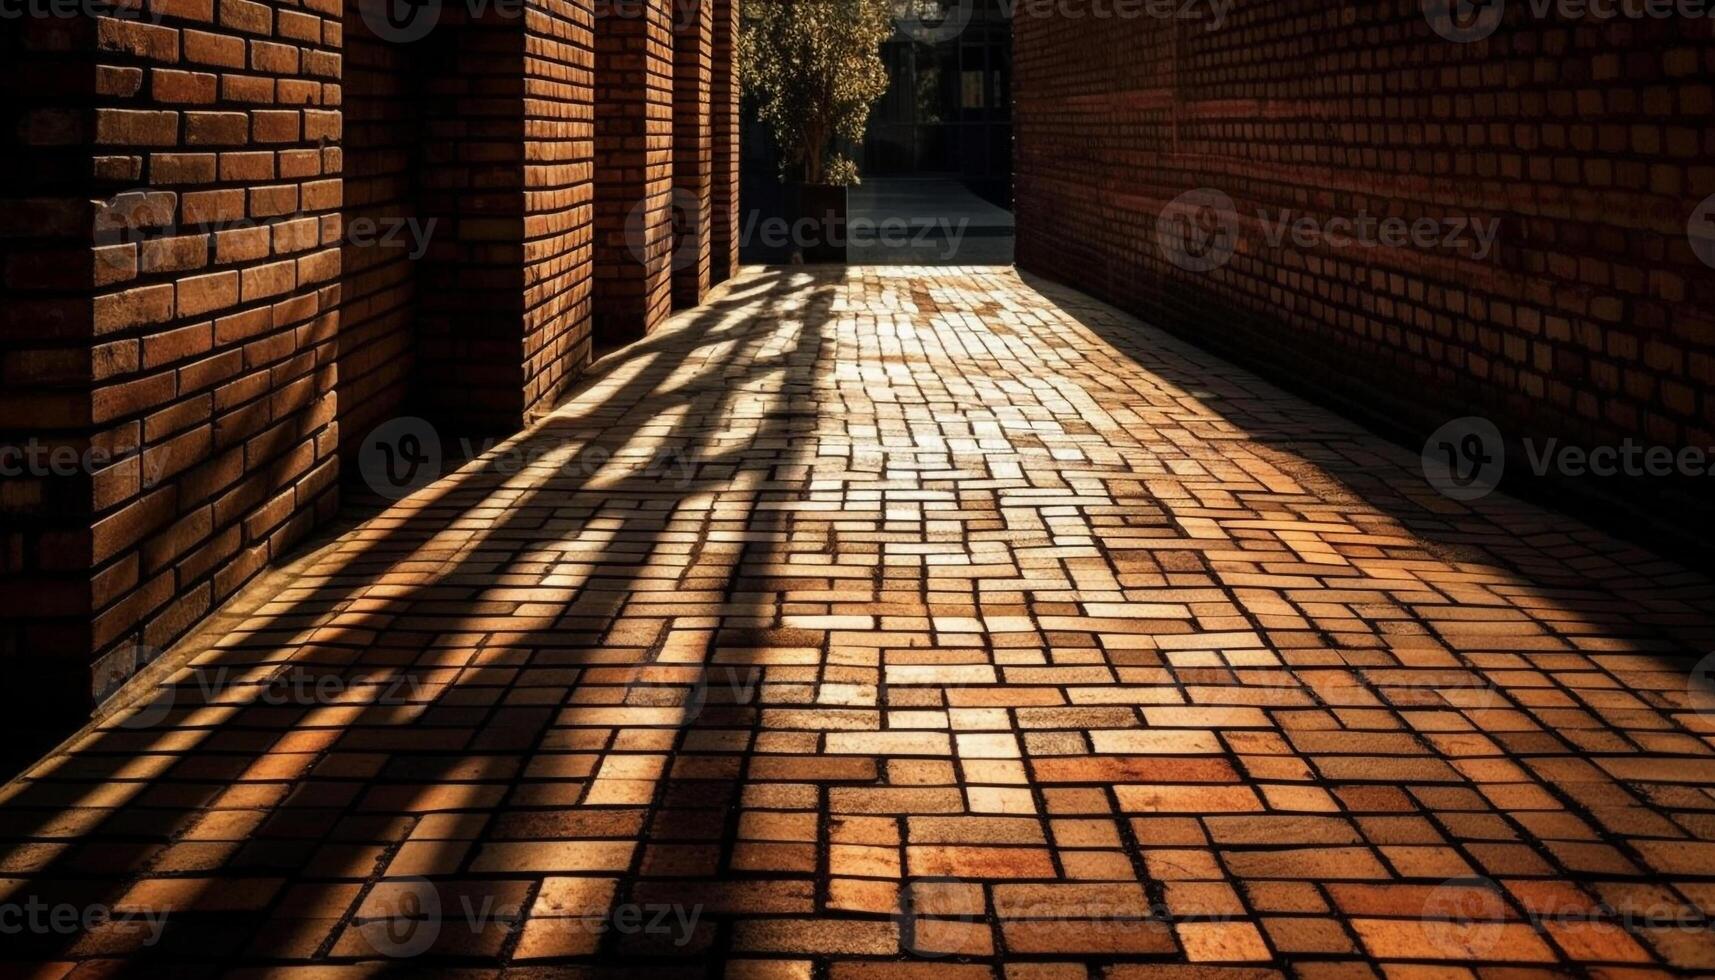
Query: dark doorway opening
{"points": [[936, 158], [948, 112]]}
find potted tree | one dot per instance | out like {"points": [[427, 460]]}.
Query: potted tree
{"points": [[813, 69]]}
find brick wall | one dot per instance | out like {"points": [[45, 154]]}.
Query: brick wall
{"points": [[480, 132], [199, 298], [559, 188], [693, 150], [214, 320], [724, 91], [1589, 142], [471, 183], [384, 139], [634, 166]]}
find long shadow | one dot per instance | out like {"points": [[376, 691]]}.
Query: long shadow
{"points": [[1657, 605], [313, 788], [557, 684]]}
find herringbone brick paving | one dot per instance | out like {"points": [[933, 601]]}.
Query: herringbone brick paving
{"points": [[902, 622]]}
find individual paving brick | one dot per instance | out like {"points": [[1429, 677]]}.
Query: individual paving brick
{"points": [[841, 704]]}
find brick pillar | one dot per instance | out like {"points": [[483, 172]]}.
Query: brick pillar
{"points": [[172, 287], [693, 150], [559, 157], [480, 130], [723, 113], [384, 141], [176, 296], [634, 166], [215, 316], [471, 305]]}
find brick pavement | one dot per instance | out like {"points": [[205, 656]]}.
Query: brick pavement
{"points": [[894, 623]]}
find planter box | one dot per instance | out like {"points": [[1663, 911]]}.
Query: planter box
{"points": [[819, 223]]}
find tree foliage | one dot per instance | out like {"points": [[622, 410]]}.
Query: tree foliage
{"points": [[814, 68]]}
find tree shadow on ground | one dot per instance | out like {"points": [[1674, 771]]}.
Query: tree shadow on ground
{"points": [[471, 706]]}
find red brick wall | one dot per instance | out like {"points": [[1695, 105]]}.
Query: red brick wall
{"points": [[217, 330], [693, 149], [1591, 144], [559, 188], [384, 137], [214, 331], [634, 166], [481, 133], [723, 127], [470, 369]]}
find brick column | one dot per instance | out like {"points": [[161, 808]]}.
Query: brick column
{"points": [[170, 316], [384, 143], [493, 160], [634, 166], [215, 315], [469, 333], [724, 133], [178, 305], [693, 150], [559, 190]]}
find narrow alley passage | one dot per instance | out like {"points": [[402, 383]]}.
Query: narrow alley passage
{"points": [[881, 622]]}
